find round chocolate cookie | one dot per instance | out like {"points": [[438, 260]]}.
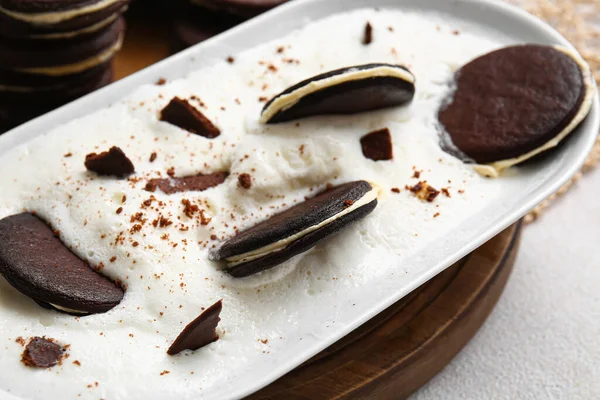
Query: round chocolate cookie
{"points": [[35, 262], [244, 8], [513, 103], [69, 89], [193, 25], [21, 54], [23, 19], [17, 108]]}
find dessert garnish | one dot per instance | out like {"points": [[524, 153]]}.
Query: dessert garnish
{"points": [[193, 183], [199, 332], [113, 162], [297, 229], [377, 145], [343, 91], [39, 265], [42, 353], [424, 191], [245, 181], [368, 35], [516, 102], [181, 113]]}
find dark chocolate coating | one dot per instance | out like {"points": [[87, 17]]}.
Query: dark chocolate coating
{"points": [[55, 52], [512, 101], [13, 28], [348, 97], [301, 245], [39, 265], [199, 332]]}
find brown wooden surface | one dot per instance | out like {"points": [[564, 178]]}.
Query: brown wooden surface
{"points": [[398, 351], [401, 349]]}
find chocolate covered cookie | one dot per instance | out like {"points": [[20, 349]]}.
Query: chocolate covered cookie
{"points": [[39, 265], [343, 91], [514, 103], [296, 230]]}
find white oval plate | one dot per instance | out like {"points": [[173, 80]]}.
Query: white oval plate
{"points": [[520, 193]]}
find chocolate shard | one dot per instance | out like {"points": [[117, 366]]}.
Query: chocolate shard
{"points": [[39, 265], [297, 229], [42, 353], [194, 183], [377, 145], [368, 34], [199, 332], [513, 103], [113, 162], [343, 91], [181, 113]]}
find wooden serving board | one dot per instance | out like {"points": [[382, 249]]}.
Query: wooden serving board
{"points": [[402, 348]]}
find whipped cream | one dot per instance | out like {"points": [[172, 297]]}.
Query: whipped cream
{"points": [[109, 222]]}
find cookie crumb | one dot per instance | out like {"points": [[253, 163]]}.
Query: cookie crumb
{"points": [[245, 181]]}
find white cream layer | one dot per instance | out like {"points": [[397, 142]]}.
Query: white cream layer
{"points": [[124, 350]]}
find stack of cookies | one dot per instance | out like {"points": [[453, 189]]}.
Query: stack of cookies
{"points": [[54, 51], [198, 20]]}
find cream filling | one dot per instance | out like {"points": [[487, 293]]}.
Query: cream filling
{"points": [[57, 16], [283, 243], [77, 67], [69, 310], [72, 34], [493, 170], [287, 101]]}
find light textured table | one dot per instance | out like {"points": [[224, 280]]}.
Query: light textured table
{"points": [[543, 339]]}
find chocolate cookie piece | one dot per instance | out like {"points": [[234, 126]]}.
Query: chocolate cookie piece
{"points": [[243, 8], [185, 116], [199, 332], [377, 145], [113, 162], [33, 53], [296, 230], [343, 91], [39, 265], [42, 353], [513, 103], [194, 183]]}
